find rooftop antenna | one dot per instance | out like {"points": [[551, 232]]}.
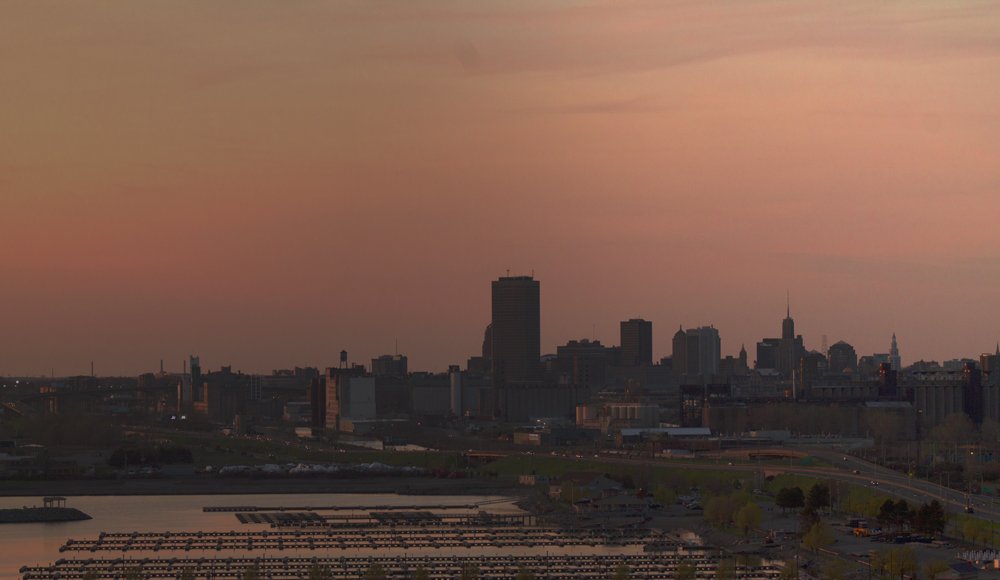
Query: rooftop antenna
{"points": [[397, 346], [825, 347], [788, 304], [92, 369], [161, 366]]}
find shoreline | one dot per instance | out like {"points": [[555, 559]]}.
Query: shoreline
{"points": [[257, 486]]}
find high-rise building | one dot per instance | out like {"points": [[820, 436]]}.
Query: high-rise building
{"points": [[894, 359], [197, 387], [582, 362], [790, 348], [637, 342], [516, 330], [390, 365], [843, 358], [767, 354], [696, 351], [350, 394]]}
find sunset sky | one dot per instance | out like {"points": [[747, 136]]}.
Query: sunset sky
{"points": [[266, 183]]}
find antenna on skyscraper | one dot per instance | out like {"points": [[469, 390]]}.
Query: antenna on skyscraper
{"points": [[825, 348], [788, 303], [397, 347]]}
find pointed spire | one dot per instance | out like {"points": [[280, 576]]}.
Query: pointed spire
{"points": [[788, 303]]}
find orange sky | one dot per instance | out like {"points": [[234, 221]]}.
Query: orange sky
{"points": [[265, 183]]}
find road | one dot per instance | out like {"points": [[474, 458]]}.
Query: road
{"points": [[884, 480]]}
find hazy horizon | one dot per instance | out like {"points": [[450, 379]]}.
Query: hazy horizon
{"points": [[264, 184]]}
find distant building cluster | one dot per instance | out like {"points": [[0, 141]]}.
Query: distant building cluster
{"points": [[584, 383]]}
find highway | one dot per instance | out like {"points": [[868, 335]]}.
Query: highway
{"points": [[870, 475]]}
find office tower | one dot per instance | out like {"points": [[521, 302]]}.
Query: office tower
{"points": [[582, 362], [317, 400], [196, 383], [390, 365], [988, 362], [843, 358], [637, 342], [972, 391], [709, 350], [790, 349], [350, 394], [696, 351], [516, 330], [488, 343], [767, 354], [894, 359]]}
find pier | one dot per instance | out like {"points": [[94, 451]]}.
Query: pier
{"points": [[375, 538], [559, 567]]}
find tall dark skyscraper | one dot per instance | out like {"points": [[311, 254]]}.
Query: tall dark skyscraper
{"points": [[516, 330], [790, 347], [696, 351], [637, 342]]}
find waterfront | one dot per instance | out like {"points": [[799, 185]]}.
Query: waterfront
{"points": [[38, 544]]}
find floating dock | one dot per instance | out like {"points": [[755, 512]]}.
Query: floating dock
{"points": [[375, 538], [560, 567]]}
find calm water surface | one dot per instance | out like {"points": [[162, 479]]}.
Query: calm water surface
{"points": [[30, 544]]}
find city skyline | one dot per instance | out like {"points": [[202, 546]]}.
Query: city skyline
{"points": [[661, 348], [266, 186]]}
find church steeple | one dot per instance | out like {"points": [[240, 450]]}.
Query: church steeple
{"points": [[894, 360]]}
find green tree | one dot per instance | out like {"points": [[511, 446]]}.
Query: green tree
{"points": [[134, 573], [421, 574], [956, 429], [818, 497], [902, 514], [790, 498], [819, 536], [748, 518], [930, 518], [622, 572], [686, 571], [887, 512], [807, 519], [789, 571]]}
